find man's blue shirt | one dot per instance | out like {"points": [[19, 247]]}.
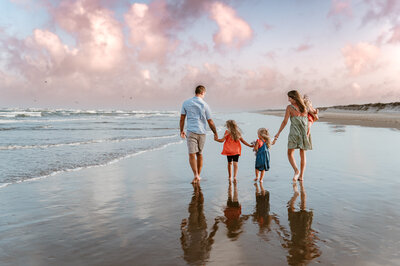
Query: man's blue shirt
{"points": [[197, 113]]}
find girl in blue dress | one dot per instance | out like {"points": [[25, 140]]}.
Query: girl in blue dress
{"points": [[262, 155]]}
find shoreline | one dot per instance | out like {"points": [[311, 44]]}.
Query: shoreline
{"points": [[356, 118]]}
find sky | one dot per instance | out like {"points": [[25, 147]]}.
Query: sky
{"points": [[150, 55]]}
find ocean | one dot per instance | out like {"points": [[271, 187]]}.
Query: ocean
{"points": [[37, 143]]}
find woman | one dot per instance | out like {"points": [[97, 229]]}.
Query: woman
{"points": [[298, 138]]}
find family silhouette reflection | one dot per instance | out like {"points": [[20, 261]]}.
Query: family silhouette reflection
{"points": [[195, 240], [301, 246]]}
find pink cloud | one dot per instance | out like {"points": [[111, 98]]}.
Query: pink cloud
{"points": [[268, 27], [395, 38], [340, 8], [303, 48], [378, 9], [100, 41], [149, 26], [233, 30], [360, 58]]}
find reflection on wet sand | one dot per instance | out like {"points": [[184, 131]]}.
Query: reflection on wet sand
{"points": [[232, 214], [301, 246], [261, 215], [195, 240]]}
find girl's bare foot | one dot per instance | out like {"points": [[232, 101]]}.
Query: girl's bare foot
{"points": [[296, 175], [196, 180], [261, 180], [234, 180], [255, 179]]}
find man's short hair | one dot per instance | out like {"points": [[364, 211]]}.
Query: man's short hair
{"points": [[200, 89]]}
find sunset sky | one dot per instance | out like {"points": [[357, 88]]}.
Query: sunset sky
{"points": [[151, 54]]}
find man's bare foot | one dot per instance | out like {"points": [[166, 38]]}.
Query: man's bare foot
{"points": [[296, 176], [301, 178]]}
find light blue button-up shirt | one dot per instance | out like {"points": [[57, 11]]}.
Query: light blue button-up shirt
{"points": [[197, 113]]}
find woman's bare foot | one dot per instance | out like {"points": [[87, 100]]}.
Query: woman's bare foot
{"points": [[296, 175], [256, 179], [234, 180]]}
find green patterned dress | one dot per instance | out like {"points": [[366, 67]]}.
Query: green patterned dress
{"points": [[298, 132]]}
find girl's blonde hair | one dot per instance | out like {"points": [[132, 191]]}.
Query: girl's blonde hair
{"points": [[233, 129], [264, 134], [295, 95], [307, 102]]}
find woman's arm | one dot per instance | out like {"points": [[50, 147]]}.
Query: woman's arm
{"points": [[245, 143], [284, 122]]}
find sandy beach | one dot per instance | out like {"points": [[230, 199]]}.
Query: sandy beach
{"points": [[350, 117], [142, 210]]}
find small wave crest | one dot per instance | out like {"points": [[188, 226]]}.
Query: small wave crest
{"points": [[45, 146]]}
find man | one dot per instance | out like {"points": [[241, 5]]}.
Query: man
{"points": [[197, 112]]}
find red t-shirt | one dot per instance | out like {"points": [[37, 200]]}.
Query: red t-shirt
{"points": [[231, 147]]}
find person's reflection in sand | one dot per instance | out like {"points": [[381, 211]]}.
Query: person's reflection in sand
{"points": [[196, 242], [232, 214], [261, 214], [302, 247]]}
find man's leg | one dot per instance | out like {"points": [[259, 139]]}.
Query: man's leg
{"points": [[199, 163], [193, 165]]}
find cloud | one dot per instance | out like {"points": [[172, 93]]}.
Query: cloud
{"points": [[149, 26], [99, 36], [233, 30], [303, 48], [381, 9], [395, 38], [339, 11], [360, 58], [340, 8]]}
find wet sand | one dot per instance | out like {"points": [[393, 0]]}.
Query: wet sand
{"points": [[144, 211]]}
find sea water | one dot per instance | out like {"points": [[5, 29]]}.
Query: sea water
{"points": [[36, 143]]}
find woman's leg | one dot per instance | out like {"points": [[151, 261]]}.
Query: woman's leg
{"points": [[303, 161], [292, 162]]}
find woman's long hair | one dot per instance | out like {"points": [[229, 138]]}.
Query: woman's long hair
{"points": [[295, 95], [263, 132], [233, 129]]}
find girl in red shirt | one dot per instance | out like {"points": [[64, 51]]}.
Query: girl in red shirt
{"points": [[232, 148]]}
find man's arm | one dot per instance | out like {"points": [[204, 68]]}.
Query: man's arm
{"points": [[213, 129], [182, 126]]}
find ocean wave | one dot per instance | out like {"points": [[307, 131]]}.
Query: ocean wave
{"points": [[78, 143], [32, 112], [77, 168]]}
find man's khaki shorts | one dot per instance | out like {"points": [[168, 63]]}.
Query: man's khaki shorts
{"points": [[195, 142]]}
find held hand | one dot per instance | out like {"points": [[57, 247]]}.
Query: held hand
{"points": [[183, 135], [215, 137], [273, 142]]}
